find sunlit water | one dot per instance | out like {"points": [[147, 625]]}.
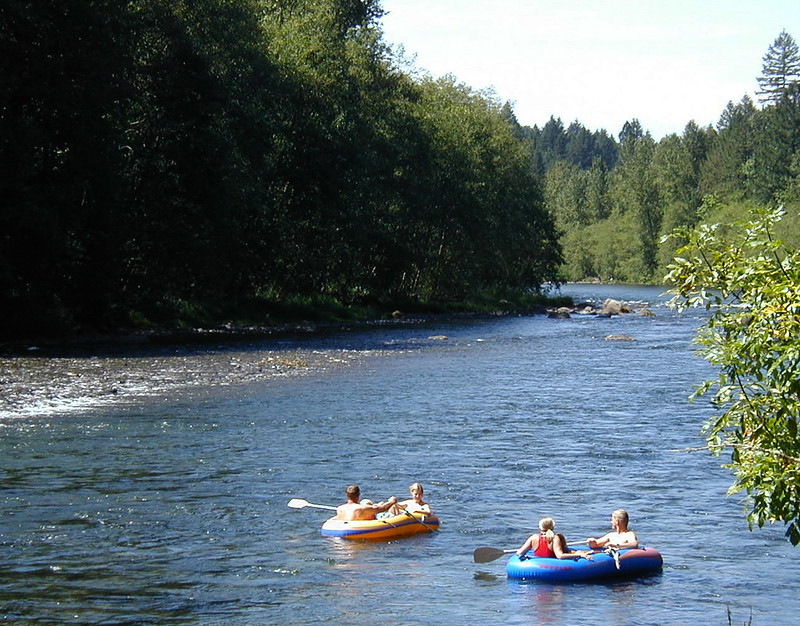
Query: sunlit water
{"points": [[164, 499]]}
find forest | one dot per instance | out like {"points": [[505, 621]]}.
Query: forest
{"points": [[615, 201], [170, 163]]}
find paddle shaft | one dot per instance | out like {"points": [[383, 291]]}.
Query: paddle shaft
{"points": [[430, 528], [299, 503], [487, 554]]}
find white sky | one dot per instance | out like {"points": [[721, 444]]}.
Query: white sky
{"points": [[601, 62]]}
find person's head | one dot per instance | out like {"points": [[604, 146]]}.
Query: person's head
{"points": [[353, 493], [546, 526], [619, 519], [416, 490]]}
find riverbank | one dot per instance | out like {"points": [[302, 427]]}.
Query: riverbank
{"points": [[317, 321], [94, 370], [98, 370]]}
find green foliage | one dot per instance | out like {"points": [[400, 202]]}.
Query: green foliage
{"points": [[769, 168], [157, 153], [608, 250], [167, 162], [750, 280], [724, 170], [576, 145], [487, 204], [634, 191]]}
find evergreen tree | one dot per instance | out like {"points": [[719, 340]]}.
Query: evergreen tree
{"points": [[781, 68], [597, 200], [631, 130], [552, 141], [723, 171], [635, 192], [579, 149], [778, 141], [606, 148]]}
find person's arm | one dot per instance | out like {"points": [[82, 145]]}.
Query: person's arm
{"points": [[530, 544], [562, 551], [404, 504], [594, 542], [384, 506]]}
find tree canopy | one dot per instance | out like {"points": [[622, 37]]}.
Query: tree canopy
{"points": [[175, 162]]}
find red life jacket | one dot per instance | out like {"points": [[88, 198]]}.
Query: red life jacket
{"points": [[543, 548]]}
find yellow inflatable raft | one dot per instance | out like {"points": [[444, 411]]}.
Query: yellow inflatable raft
{"points": [[385, 529]]}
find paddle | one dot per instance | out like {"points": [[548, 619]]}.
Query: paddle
{"points": [[487, 554], [299, 503], [430, 528]]}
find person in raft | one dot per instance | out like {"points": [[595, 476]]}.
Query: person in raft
{"points": [[413, 504], [620, 538], [549, 544], [354, 509]]}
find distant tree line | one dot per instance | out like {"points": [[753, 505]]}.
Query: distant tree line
{"points": [[166, 161], [613, 201]]}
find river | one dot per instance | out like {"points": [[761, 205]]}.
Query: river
{"points": [[151, 486]]}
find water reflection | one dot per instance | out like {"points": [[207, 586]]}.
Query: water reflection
{"points": [[549, 602], [546, 602]]}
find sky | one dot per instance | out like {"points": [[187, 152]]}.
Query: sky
{"points": [[600, 62]]}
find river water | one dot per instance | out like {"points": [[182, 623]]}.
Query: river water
{"points": [[152, 486]]}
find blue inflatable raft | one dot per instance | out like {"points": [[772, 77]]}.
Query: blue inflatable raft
{"points": [[632, 562]]}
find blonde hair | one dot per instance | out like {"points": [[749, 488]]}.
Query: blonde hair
{"points": [[546, 525], [621, 515], [418, 487]]}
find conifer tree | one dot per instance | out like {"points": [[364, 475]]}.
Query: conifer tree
{"points": [[781, 68]]}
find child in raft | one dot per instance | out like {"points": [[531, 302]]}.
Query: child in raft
{"points": [[549, 544]]}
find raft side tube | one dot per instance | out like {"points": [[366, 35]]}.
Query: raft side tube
{"points": [[403, 525], [633, 562]]}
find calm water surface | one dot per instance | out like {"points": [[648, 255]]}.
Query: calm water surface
{"points": [[167, 503]]}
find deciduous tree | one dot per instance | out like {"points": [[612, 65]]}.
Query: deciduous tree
{"points": [[750, 281]]}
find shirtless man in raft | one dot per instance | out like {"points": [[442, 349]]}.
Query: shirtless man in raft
{"points": [[620, 538], [366, 510]]}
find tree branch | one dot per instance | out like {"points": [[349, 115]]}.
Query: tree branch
{"points": [[742, 446]]}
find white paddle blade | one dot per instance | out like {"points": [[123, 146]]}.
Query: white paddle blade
{"points": [[299, 503]]}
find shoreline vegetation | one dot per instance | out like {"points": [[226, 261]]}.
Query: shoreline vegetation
{"points": [[320, 320], [287, 319]]}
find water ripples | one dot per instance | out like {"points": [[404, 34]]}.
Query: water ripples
{"points": [[166, 501]]}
